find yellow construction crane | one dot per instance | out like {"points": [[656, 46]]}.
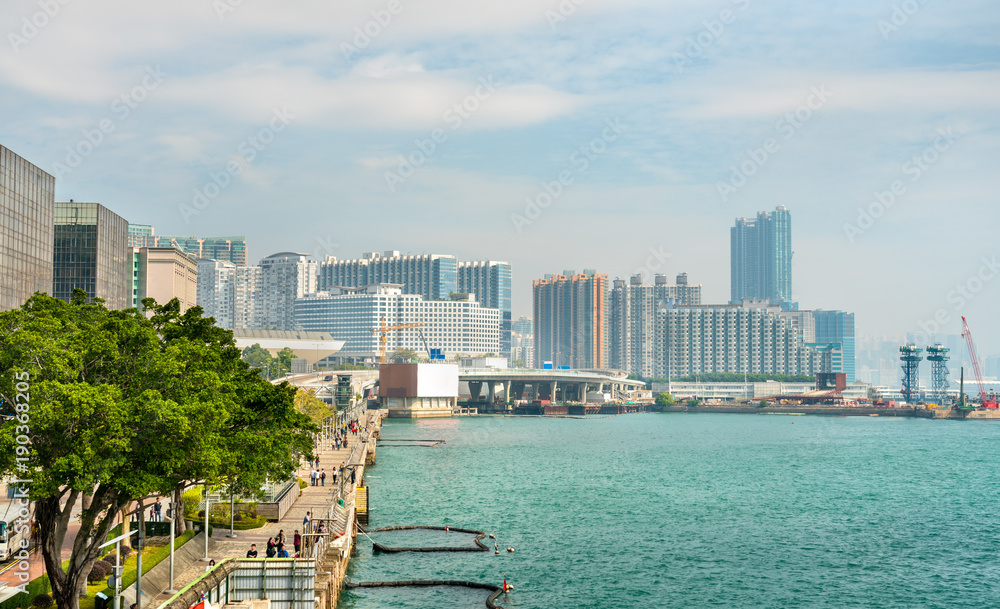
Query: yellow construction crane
{"points": [[384, 330]]}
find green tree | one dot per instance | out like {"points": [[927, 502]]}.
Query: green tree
{"points": [[664, 399], [404, 355], [308, 404], [257, 356], [284, 359], [118, 407]]}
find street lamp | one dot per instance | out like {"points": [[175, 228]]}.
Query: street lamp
{"points": [[171, 506]]}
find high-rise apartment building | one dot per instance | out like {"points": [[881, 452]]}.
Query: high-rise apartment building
{"points": [[749, 338], [216, 291], [164, 273], [91, 253], [761, 257], [632, 319], [456, 326], [141, 235], [283, 278], [433, 276], [231, 294], [229, 249], [522, 340], [490, 281], [570, 315], [27, 210]]}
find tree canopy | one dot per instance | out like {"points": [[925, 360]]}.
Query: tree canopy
{"points": [[119, 406]]}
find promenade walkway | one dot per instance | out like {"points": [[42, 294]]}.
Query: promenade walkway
{"points": [[314, 499]]}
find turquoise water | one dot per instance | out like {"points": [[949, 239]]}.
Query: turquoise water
{"points": [[696, 510]]}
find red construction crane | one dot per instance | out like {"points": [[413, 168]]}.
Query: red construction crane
{"points": [[987, 401]]}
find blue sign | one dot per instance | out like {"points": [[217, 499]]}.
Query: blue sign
{"points": [[547, 366]]}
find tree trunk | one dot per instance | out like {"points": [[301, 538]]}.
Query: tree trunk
{"points": [[178, 513], [53, 523]]}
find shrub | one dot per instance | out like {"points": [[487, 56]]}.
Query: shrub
{"points": [[98, 572], [42, 601], [126, 551]]}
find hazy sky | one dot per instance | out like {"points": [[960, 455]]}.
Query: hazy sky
{"points": [[617, 135]]}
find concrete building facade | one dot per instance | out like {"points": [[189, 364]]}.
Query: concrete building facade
{"points": [[284, 277], [570, 316], [456, 327], [632, 319], [91, 253], [730, 338], [27, 216], [231, 294], [164, 273], [433, 276]]}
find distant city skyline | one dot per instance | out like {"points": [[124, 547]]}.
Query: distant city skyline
{"points": [[626, 136]]}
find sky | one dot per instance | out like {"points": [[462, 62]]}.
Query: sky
{"points": [[619, 135]]}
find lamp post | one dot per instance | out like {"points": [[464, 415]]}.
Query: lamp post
{"points": [[208, 508], [232, 515], [172, 515]]}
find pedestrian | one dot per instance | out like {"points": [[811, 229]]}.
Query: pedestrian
{"points": [[158, 509], [282, 552], [312, 476], [280, 539], [353, 471], [334, 474], [297, 541], [322, 477], [271, 548], [211, 565], [305, 521], [317, 462], [252, 552]]}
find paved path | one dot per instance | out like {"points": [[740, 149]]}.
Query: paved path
{"points": [[314, 499]]}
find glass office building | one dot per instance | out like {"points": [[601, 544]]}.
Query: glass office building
{"points": [[27, 205], [761, 257], [91, 253], [490, 281]]}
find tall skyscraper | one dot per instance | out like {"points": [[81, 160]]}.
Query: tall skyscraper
{"points": [[229, 249], [27, 209], [838, 327], [433, 276], [283, 278], [570, 314], [91, 253], [490, 281], [632, 319], [761, 257]]}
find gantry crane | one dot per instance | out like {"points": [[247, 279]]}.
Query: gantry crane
{"points": [[383, 330], [986, 401]]}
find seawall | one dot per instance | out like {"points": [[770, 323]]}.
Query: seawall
{"points": [[835, 411]]}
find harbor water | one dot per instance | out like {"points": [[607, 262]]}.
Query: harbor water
{"points": [[692, 510]]}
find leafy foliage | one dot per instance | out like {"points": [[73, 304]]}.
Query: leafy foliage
{"points": [[664, 399], [122, 407]]}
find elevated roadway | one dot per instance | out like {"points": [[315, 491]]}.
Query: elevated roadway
{"points": [[561, 385]]}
